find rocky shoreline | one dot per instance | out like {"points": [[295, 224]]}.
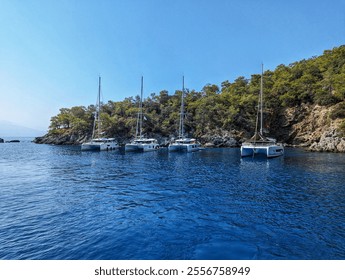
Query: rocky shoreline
{"points": [[225, 140], [64, 139], [328, 142], [306, 126]]}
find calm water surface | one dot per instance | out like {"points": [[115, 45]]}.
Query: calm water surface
{"points": [[60, 203]]}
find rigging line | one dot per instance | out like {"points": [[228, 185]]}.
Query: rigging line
{"points": [[257, 121], [141, 106], [181, 126], [139, 126], [99, 108], [261, 99]]}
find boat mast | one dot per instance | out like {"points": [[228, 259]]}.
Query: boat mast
{"points": [[140, 113], [261, 101], [99, 108], [97, 121], [181, 126]]}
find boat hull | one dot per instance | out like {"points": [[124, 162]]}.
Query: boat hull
{"points": [[141, 147], [184, 147], [99, 146], [270, 151]]}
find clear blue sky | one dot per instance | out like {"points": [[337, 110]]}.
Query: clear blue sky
{"points": [[51, 52]]}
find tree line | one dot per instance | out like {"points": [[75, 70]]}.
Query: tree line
{"points": [[230, 106]]}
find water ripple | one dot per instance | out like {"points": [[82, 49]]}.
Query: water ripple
{"points": [[60, 203]]}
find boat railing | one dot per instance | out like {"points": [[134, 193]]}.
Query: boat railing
{"points": [[261, 143], [146, 141]]}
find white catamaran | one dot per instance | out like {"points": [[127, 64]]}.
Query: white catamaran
{"points": [[182, 143], [140, 143], [98, 143], [259, 144]]}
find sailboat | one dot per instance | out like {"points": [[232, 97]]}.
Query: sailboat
{"points": [[182, 143], [140, 143], [98, 143], [259, 144]]}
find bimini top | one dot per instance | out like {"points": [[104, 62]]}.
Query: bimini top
{"points": [[186, 141], [103, 140], [145, 141]]}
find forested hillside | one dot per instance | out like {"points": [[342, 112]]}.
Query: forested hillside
{"points": [[291, 92]]}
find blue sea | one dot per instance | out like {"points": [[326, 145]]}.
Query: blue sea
{"points": [[57, 202]]}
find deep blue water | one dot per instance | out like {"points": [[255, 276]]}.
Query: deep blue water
{"points": [[60, 203]]}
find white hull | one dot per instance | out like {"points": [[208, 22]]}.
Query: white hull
{"points": [[269, 151], [100, 145], [175, 147], [141, 147]]}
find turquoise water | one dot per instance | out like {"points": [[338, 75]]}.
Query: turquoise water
{"points": [[60, 203]]}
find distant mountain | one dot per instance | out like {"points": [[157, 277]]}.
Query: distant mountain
{"points": [[8, 129]]}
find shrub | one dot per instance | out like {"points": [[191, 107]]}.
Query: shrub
{"points": [[338, 111]]}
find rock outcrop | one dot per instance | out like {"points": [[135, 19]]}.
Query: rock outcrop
{"points": [[61, 139], [312, 127], [330, 141], [221, 139]]}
